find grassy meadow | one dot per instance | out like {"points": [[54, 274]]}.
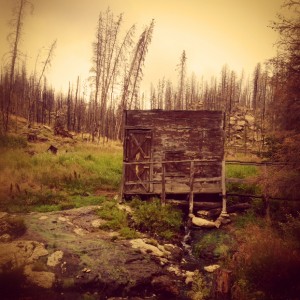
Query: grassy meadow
{"points": [[82, 173], [32, 178]]}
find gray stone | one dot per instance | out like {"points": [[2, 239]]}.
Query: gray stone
{"points": [[211, 268], [55, 258]]}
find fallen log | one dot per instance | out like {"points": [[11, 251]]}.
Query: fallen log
{"points": [[197, 204], [230, 209]]}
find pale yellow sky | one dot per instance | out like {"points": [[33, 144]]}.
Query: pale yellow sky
{"points": [[212, 32]]}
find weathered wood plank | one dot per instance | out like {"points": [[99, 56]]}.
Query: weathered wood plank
{"points": [[177, 139]]}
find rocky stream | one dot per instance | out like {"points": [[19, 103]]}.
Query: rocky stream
{"points": [[64, 255]]}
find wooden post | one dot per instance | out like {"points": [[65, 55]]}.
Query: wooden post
{"points": [[191, 196], [265, 194], [122, 182], [163, 184], [224, 207]]}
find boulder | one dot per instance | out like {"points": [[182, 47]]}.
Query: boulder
{"points": [[21, 252], [41, 279], [164, 286], [200, 222]]}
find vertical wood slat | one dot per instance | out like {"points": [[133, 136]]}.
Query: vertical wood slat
{"points": [[191, 195], [163, 185]]}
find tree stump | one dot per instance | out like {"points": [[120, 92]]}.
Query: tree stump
{"points": [[221, 284], [53, 149]]}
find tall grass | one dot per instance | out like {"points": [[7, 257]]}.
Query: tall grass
{"points": [[245, 172], [241, 171], [47, 179]]}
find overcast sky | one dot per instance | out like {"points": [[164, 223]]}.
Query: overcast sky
{"points": [[212, 32]]}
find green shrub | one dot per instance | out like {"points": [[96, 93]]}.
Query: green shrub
{"points": [[116, 218], [214, 244], [129, 233], [152, 217], [200, 289]]}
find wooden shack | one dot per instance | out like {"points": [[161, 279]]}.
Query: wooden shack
{"points": [[169, 153]]}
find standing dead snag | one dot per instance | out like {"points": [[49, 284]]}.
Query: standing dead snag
{"points": [[173, 154], [53, 149]]}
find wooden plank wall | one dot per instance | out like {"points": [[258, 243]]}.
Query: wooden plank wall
{"points": [[179, 137]]}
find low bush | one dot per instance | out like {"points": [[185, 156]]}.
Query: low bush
{"points": [[128, 233], [215, 244], [265, 266], [116, 218], [152, 217], [200, 289], [12, 225]]}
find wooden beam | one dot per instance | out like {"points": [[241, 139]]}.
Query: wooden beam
{"points": [[163, 185], [191, 195], [224, 208]]}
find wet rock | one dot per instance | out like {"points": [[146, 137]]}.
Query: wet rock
{"points": [[164, 286], [41, 279], [175, 251], [19, 253]]}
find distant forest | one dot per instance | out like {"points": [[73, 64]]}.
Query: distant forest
{"points": [[271, 92]]}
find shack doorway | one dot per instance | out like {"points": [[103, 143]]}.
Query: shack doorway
{"points": [[137, 160]]}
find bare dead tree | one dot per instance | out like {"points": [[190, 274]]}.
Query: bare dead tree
{"points": [[109, 55], [33, 106], [135, 73], [14, 39], [181, 85]]}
